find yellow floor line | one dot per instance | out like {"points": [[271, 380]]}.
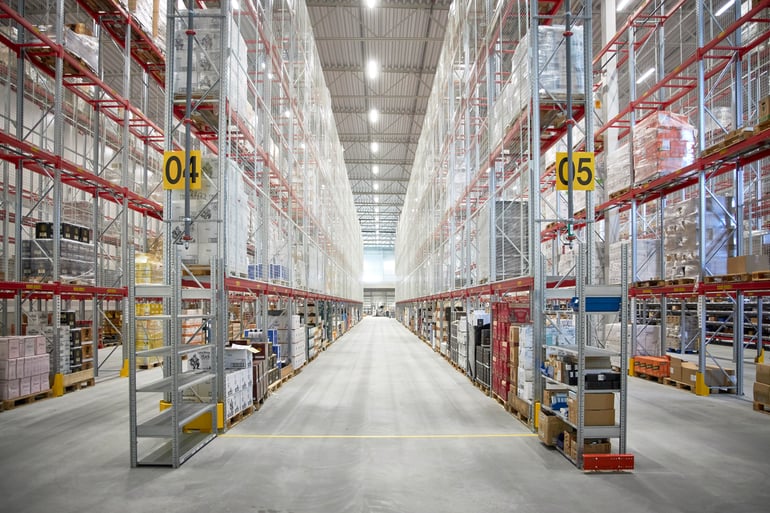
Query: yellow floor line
{"points": [[367, 437]]}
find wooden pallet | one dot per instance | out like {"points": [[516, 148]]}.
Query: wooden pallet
{"points": [[649, 283], [235, 419], [760, 275], [197, 270], [147, 366], [649, 377], [679, 384], [763, 125], [681, 281], [77, 380], [620, 192], [761, 407], [10, 404], [499, 400], [727, 278]]}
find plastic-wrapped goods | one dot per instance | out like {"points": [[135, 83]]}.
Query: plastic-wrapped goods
{"points": [[618, 170], [647, 339], [646, 261], [681, 238], [552, 58], [663, 143], [511, 241], [682, 330], [151, 15]]}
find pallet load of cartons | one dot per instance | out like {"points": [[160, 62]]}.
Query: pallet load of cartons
{"points": [[681, 237], [525, 372], [663, 143], [646, 342], [24, 367], [646, 258], [618, 170], [151, 16], [762, 388]]}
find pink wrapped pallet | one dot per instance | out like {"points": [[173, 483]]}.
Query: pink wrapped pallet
{"points": [[663, 143]]}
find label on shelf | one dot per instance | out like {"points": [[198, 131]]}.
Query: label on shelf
{"points": [[174, 171], [584, 178]]}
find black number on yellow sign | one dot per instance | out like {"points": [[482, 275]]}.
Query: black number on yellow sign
{"points": [[174, 172], [583, 176]]}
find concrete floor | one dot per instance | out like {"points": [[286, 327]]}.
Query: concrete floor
{"points": [[380, 423]]}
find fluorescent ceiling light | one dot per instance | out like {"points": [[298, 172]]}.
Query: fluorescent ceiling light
{"points": [[372, 69], [647, 74], [724, 8], [287, 113], [622, 5], [376, 199], [376, 186], [371, 4], [375, 170], [375, 146], [374, 115]]}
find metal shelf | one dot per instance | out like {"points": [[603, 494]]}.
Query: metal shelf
{"points": [[161, 426], [189, 444], [186, 380], [166, 350]]}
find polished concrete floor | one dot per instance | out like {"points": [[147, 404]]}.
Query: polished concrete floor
{"points": [[381, 423]]}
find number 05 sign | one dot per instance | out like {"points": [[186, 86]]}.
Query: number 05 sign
{"points": [[174, 171], [583, 165]]}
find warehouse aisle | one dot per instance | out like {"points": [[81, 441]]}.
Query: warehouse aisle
{"points": [[380, 423]]}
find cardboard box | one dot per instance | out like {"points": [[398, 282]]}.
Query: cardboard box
{"points": [[30, 346], [763, 373], [597, 448], [597, 401], [8, 370], [40, 345], [549, 428], [748, 264], [25, 386], [9, 389], [9, 348], [675, 366], [36, 384], [600, 417], [762, 393], [689, 371], [764, 108]]}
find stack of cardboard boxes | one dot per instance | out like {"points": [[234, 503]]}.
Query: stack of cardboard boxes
{"points": [[24, 366], [762, 387], [599, 409], [686, 372]]}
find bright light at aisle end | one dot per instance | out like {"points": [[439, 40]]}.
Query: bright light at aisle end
{"points": [[647, 74], [372, 69], [371, 4], [375, 170], [375, 146], [724, 8]]}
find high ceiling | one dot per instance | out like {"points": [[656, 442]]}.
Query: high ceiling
{"points": [[404, 38]]}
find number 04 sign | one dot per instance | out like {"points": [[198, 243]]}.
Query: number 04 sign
{"points": [[174, 171], [583, 165]]}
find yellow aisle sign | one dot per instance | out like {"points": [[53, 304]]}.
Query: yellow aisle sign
{"points": [[174, 171], [584, 178]]}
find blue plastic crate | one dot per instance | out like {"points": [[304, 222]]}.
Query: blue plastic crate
{"points": [[598, 304]]}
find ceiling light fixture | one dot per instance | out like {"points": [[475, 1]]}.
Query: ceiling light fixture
{"points": [[647, 74], [374, 115], [372, 69], [371, 4], [375, 170], [376, 186], [724, 8], [376, 199], [375, 146]]}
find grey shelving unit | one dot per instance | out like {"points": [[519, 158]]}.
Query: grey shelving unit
{"points": [[159, 439]]}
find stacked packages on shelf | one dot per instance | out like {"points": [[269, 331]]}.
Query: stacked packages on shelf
{"points": [[151, 16], [525, 370], [76, 254], [511, 258], [683, 330], [514, 97], [681, 241], [647, 338], [204, 208], [291, 337], [24, 366], [762, 386], [663, 142], [501, 374], [682, 371], [618, 170], [646, 258], [41, 323]]}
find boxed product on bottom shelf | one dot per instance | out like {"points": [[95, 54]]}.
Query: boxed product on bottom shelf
{"points": [[762, 385], [24, 366], [590, 446], [549, 428]]}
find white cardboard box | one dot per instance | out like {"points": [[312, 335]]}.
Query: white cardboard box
{"points": [[36, 384], [40, 345], [9, 348], [8, 370], [9, 389], [30, 346], [25, 386]]}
